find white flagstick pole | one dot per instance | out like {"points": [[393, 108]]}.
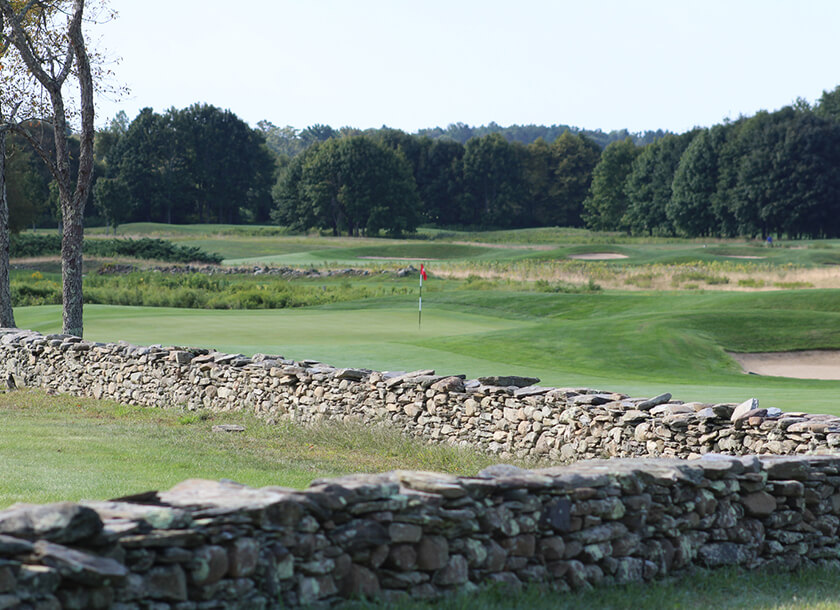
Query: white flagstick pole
{"points": [[420, 302]]}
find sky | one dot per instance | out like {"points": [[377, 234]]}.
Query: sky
{"points": [[412, 64]]}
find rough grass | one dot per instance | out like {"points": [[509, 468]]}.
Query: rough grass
{"points": [[66, 448], [809, 589]]}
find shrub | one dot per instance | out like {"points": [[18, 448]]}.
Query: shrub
{"points": [[698, 276], [37, 244]]}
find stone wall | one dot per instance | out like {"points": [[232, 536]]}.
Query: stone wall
{"points": [[506, 416], [204, 545]]}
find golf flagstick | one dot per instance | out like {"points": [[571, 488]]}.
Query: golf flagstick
{"points": [[420, 301]]}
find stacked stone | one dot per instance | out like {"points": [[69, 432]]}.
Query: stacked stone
{"points": [[507, 416], [204, 544]]}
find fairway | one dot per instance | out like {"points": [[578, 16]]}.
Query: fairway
{"points": [[636, 343]]}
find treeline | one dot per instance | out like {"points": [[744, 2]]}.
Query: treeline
{"points": [[775, 173], [392, 182], [195, 165], [288, 141]]}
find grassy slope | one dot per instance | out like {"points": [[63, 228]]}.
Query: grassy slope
{"points": [[637, 343], [66, 448]]}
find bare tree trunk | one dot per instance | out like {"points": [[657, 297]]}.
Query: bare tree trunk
{"points": [[71, 272], [7, 317], [72, 257]]}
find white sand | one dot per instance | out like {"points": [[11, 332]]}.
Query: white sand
{"points": [[597, 256], [813, 364]]}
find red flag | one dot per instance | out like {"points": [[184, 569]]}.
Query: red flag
{"points": [[422, 271]]}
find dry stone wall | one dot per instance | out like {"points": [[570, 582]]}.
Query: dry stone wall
{"points": [[204, 544], [506, 415]]}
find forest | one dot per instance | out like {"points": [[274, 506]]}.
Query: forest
{"points": [[773, 173]]}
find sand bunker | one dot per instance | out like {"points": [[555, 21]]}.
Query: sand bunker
{"points": [[813, 364], [597, 256]]}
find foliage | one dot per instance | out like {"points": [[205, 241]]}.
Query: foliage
{"points": [[352, 184], [649, 185], [607, 203], [493, 180], [196, 164], [26, 245]]}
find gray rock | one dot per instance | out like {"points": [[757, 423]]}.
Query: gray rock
{"points": [[10, 546], [432, 553], [80, 567], [653, 402], [63, 522], [743, 408], [167, 583], [228, 428], [508, 381]]}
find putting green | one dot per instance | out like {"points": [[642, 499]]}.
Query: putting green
{"points": [[376, 338]]}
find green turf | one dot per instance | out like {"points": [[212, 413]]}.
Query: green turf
{"points": [[726, 588], [67, 448], [639, 343], [247, 245]]}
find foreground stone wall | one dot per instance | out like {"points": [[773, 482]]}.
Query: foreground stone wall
{"points": [[205, 545], [506, 416]]}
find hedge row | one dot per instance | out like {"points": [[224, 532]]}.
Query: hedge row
{"points": [[31, 244]]}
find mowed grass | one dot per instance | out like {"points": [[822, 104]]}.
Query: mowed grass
{"points": [[56, 448], [637, 343], [243, 245]]}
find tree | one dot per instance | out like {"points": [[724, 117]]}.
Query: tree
{"points": [[493, 181], [440, 181], [649, 185], [574, 159], [351, 184], [828, 106], [198, 164], [537, 162], [291, 207], [17, 98], [27, 185], [607, 202], [229, 165], [52, 65], [694, 186], [112, 198]]}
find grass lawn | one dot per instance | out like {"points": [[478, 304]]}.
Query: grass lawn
{"points": [[638, 343], [68, 448], [642, 343], [243, 244], [728, 588]]}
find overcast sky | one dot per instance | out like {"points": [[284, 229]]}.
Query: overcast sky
{"points": [[409, 64]]}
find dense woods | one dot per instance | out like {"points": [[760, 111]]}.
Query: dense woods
{"points": [[774, 173]]}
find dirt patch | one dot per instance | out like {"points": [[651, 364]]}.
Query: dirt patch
{"points": [[597, 256], [811, 364]]}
